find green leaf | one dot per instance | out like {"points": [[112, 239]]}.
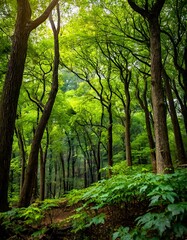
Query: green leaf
{"points": [[179, 230], [178, 208], [156, 221], [39, 233], [99, 219], [115, 235], [122, 233], [154, 200], [171, 196]]}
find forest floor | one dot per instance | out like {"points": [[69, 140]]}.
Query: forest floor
{"points": [[139, 206], [59, 224]]}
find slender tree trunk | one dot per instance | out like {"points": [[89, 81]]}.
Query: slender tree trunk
{"points": [[183, 106], [144, 106], [49, 185], [151, 140], [55, 180], [181, 155], [23, 155], [73, 166], [11, 89], [42, 174], [184, 113], [63, 172], [110, 139], [35, 192], [98, 160], [90, 177], [163, 158], [43, 160], [11, 183], [33, 157], [128, 126], [42, 179], [85, 174], [125, 79], [68, 164]]}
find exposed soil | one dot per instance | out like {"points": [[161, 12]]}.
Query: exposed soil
{"points": [[58, 223], [115, 217]]}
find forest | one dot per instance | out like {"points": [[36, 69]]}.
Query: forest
{"points": [[93, 119]]}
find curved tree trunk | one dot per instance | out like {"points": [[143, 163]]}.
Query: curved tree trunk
{"points": [[9, 100], [144, 105], [11, 89], [31, 172]]}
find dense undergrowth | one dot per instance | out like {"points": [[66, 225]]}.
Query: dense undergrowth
{"points": [[129, 205]]}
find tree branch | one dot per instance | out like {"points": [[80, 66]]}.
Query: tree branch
{"points": [[34, 24], [137, 9]]}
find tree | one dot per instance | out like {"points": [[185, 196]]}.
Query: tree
{"points": [[142, 99], [31, 172], [151, 14], [181, 155], [13, 80]]}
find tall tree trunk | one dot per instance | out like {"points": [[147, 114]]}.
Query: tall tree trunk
{"points": [[74, 158], [49, 184], [63, 172], [151, 140], [183, 106], [55, 179], [90, 177], [181, 155], [110, 139], [28, 185], [9, 99], [144, 105], [68, 163], [99, 160], [43, 159], [42, 175], [85, 173], [11, 89], [23, 155], [126, 81], [163, 157]]}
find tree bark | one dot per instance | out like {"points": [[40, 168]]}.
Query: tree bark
{"points": [[163, 157], [10, 94], [63, 172], [126, 81], [181, 155], [23, 155], [110, 139], [144, 106], [11, 89], [28, 185]]}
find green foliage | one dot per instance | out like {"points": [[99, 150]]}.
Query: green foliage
{"points": [[32, 215], [122, 233], [11, 221], [172, 218], [39, 233], [17, 220], [164, 214]]}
